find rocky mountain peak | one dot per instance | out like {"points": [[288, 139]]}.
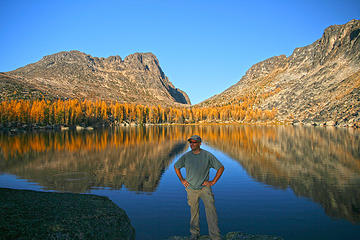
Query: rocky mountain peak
{"points": [[138, 78], [267, 66], [337, 42], [142, 59], [144, 62], [65, 56], [318, 83], [113, 59]]}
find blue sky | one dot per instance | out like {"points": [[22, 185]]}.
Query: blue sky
{"points": [[203, 46]]}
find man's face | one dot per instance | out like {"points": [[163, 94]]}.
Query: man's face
{"points": [[194, 145]]}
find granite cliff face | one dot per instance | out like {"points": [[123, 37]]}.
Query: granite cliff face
{"points": [[138, 78], [318, 83]]}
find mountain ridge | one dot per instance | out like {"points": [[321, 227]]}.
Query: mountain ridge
{"points": [[316, 83], [74, 74]]}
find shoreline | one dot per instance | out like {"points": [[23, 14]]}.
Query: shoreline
{"points": [[38, 128]]}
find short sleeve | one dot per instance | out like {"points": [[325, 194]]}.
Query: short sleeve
{"points": [[180, 163], [214, 162]]}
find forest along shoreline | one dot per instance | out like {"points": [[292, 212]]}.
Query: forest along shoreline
{"points": [[18, 128], [40, 114]]}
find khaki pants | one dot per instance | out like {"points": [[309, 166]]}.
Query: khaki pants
{"points": [[211, 217]]}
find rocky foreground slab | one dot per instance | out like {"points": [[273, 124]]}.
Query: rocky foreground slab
{"points": [[26, 214], [233, 236]]}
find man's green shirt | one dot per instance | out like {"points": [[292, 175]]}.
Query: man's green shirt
{"points": [[197, 167]]}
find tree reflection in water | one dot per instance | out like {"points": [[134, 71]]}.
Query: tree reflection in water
{"points": [[78, 161], [319, 163]]}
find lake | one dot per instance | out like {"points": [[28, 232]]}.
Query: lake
{"points": [[294, 182]]}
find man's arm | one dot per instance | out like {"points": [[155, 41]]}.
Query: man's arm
{"points": [[216, 178], [182, 180]]}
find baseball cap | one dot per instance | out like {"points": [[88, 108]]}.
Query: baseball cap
{"points": [[195, 138]]}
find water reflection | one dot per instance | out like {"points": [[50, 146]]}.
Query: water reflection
{"points": [[319, 163], [76, 162]]}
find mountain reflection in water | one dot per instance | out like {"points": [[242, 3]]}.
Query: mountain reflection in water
{"points": [[78, 161], [322, 164]]}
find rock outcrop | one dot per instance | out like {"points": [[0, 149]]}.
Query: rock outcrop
{"points": [[233, 236], [136, 79], [29, 214], [316, 84]]}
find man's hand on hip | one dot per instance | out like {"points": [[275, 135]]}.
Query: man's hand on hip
{"points": [[208, 183], [185, 183], [216, 178]]}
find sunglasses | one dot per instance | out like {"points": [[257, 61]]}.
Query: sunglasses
{"points": [[192, 142]]}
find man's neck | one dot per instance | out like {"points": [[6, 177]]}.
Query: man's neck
{"points": [[196, 151]]}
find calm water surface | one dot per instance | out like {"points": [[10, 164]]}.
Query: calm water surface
{"points": [[294, 182]]}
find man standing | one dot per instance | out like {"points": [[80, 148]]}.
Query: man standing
{"points": [[197, 163]]}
